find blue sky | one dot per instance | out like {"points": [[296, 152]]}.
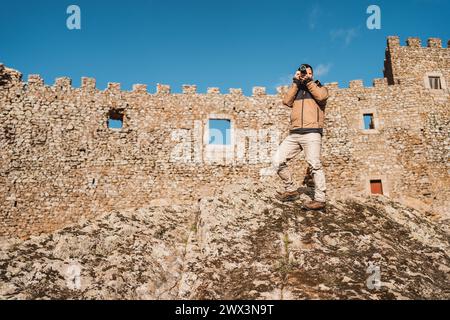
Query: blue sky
{"points": [[226, 44]]}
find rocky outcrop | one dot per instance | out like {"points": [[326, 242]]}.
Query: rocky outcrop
{"points": [[239, 244]]}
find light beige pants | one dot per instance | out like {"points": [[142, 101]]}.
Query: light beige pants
{"points": [[291, 147]]}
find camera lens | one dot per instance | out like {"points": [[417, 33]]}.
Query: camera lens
{"points": [[302, 69]]}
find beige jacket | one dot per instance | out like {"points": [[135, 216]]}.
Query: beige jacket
{"points": [[308, 105]]}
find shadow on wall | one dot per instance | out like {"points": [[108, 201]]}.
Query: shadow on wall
{"points": [[5, 78]]}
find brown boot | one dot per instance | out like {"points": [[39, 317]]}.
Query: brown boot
{"points": [[315, 205], [288, 196]]}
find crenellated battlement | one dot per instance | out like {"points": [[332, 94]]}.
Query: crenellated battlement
{"points": [[410, 65], [63, 83], [113, 87], [140, 88], [88, 84], [35, 82], [415, 42]]}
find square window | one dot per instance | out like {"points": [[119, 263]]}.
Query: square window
{"points": [[219, 132], [435, 83], [368, 121], [115, 119], [376, 187]]}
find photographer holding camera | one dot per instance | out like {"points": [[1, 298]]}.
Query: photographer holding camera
{"points": [[308, 99]]}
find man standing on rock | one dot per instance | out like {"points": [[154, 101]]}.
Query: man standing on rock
{"points": [[308, 99]]}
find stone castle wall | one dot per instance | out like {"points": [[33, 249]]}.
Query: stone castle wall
{"points": [[60, 162]]}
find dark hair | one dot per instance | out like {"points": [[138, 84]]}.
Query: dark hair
{"points": [[307, 66]]}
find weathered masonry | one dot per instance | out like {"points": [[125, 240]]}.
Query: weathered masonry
{"points": [[67, 153]]}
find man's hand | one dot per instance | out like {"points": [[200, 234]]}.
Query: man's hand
{"points": [[300, 79], [297, 79]]}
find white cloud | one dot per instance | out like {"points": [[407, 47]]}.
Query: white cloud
{"points": [[345, 34], [322, 70], [285, 80]]}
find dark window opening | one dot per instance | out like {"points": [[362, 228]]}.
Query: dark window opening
{"points": [[219, 132], [115, 119], [376, 187], [435, 83], [368, 121], [15, 204], [93, 181]]}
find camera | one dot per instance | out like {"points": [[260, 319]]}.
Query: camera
{"points": [[301, 83], [302, 69]]}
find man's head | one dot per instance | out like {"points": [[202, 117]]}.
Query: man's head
{"points": [[308, 69]]}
